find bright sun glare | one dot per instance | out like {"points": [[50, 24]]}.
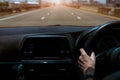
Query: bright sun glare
{"points": [[56, 1]]}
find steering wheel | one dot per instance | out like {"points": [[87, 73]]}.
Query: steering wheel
{"points": [[93, 36], [91, 42]]}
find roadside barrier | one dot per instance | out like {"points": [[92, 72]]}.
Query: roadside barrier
{"points": [[109, 11]]}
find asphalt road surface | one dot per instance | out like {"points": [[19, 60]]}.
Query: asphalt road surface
{"points": [[55, 15]]}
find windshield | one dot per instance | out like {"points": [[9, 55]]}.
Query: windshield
{"points": [[14, 13]]}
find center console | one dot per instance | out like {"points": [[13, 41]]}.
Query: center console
{"points": [[47, 57]]}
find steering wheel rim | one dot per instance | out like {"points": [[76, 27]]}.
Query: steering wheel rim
{"points": [[88, 45], [94, 35], [114, 76], [86, 41]]}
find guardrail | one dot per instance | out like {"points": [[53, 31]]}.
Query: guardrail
{"points": [[17, 9], [109, 11]]}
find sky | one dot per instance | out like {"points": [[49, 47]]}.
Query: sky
{"points": [[57, 1], [101, 1]]}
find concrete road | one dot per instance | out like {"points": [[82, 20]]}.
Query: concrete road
{"points": [[55, 15]]}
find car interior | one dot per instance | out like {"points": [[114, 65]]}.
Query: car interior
{"points": [[51, 52]]}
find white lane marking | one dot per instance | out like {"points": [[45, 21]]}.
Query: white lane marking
{"points": [[42, 18], [11, 17], [17, 15], [78, 17], [48, 13], [72, 13]]}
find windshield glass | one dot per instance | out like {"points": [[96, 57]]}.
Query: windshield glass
{"points": [[14, 13]]}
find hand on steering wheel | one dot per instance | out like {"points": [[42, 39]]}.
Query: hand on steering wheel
{"points": [[87, 63]]}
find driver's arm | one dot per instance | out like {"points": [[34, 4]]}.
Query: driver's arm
{"points": [[87, 64]]}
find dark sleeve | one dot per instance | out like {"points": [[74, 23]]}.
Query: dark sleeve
{"points": [[89, 74]]}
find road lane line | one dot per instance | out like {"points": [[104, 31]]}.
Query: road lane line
{"points": [[72, 13], [14, 16], [48, 13], [10, 17], [17, 15], [78, 17], [42, 18]]}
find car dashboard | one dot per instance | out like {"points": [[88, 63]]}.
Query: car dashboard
{"points": [[51, 52], [33, 53]]}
